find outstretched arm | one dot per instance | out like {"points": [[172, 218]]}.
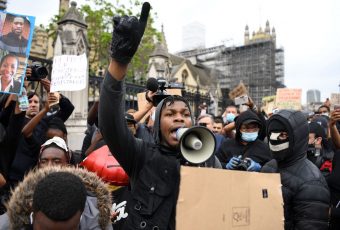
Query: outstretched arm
{"points": [[127, 34]]}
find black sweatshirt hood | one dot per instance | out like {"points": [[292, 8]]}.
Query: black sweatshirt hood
{"points": [[298, 130], [157, 132], [246, 116]]}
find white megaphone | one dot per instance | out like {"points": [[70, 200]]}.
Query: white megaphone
{"points": [[197, 144]]}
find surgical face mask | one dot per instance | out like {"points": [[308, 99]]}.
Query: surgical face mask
{"points": [[249, 137], [230, 117]]}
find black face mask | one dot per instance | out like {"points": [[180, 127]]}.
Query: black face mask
{"points": [[311, 151]]}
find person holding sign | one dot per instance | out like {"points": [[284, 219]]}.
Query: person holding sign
{"points": [[8, 68]]}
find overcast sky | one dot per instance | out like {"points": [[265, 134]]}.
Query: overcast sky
{"points": [[308, 30]]}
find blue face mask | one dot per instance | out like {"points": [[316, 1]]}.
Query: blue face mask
{"points": [[230, 117], [249, 137]]}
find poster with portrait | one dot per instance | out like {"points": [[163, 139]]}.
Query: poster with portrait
{"points": [[16, 33]]}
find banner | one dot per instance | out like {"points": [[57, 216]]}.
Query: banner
{"points": [[288, 98], [69, 73], [16, 33]]}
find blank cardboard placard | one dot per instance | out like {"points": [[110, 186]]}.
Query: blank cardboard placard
{"points": [[216, 199]]}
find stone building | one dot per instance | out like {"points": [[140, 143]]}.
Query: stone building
{"points": [[71, 39], [194, 77], [257, 63]]}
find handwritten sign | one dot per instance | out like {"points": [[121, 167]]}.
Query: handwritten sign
{"points": [[288, 98], [69, 73]]}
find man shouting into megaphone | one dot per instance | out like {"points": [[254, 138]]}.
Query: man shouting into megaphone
{"points": [[153, 168]]}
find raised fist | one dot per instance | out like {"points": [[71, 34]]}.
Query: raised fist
{"points": [[127, 34]]}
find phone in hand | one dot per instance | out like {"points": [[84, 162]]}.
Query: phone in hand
{"points": [[337, 107], [241, 100]]}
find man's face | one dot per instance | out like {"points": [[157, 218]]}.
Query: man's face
{"points": [[55, 133], [207, 122], [41, 221], [52, 156], [249, 128], [8, 68], [231, 109], [173, 116], [313, 140], [218, 127], [17, 25], [33, 108]]}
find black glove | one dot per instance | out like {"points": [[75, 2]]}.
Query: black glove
{"points": [[127, 34]]}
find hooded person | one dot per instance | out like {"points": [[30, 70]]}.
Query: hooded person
{"points": [[153, 168], [246, 151], [96, 213], [305, 192]]}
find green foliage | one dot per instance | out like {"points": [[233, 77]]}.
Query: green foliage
{"points": [[98, 16], [99, 20]]}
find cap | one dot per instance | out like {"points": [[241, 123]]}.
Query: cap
{"points": [[57, 141], [251, 121], [130, 118]]}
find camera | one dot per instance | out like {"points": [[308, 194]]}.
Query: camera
{"points": [[243, 165], [163, 85], [38, 72]]}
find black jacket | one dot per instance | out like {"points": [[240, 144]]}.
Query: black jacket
{"points": [[152, 168], [305, 193], [257, 150], [153, 171], [27, 153]]}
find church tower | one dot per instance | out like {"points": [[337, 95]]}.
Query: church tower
{"points": [[71, 39]]}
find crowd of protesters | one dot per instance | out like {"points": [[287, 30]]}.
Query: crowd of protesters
{"points": [[136, 155]]}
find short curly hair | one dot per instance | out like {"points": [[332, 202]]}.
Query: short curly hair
{"points": [[59, 196]]}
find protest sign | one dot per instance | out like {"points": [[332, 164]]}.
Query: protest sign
{"points": [[288, 98], [16, 33], [227, 199], [238, 91], [69, 73]]}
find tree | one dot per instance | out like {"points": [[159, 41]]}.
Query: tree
{"points": [[100, 25]]}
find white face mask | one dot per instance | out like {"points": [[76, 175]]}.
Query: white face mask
{"points": [[325, 114], [279, 147]]}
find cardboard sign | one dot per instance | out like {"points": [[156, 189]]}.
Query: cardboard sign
{"points": [[238, 91], [69, 73], [16, 33], [216, 199], [288, 98]]}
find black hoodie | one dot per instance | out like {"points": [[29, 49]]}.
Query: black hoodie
{"points": [[256, 150], [152, 168], [305, 193]]}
